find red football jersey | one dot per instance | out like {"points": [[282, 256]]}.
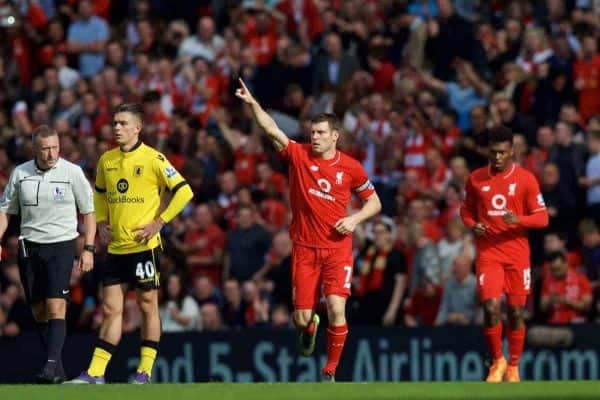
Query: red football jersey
{"points": [[487, 196], [320, 191]]}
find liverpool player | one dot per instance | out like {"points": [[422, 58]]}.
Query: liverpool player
{"points": [[322, 180], [502, 201]]}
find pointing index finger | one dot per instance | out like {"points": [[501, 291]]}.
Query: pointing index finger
{"points": [[243, 85]]}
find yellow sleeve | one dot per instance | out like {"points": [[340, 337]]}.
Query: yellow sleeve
{"points": [[100, 194], [172, 179], [181, 197]]}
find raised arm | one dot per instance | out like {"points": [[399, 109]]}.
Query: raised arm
{"points": [[262, 118]]}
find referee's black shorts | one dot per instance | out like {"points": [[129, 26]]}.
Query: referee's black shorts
{"points": [[46, 270]]}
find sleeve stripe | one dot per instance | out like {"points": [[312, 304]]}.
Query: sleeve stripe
{"points": [[364, 186], [100, 190], [538, 209], [178, 186]]}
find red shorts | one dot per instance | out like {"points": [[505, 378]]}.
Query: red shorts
{"points": [[494, 278], [313, 267]]}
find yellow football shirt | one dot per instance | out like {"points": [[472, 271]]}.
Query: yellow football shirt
{"points": [[129, 187]]}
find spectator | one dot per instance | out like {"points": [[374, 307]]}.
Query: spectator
{"points": [[211, 318], [591, 180], [566, 294], [234, 307], [590, 238], [204, 246], [256, 310], [456, 242], [467, 92], [425, 259], [204, 290], [421, 308], [277, 272], [87, 39], [281, 317], [247, 245], [445, 32], [561, 203], [206, 43], [585, 72], [382, 281], [178, 311], [334, 66], [570, 158], [459, 302]]}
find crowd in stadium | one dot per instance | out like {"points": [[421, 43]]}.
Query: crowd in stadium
{"points": [[418, 84]]}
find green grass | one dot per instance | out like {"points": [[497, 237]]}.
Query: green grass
{"points": [[344, 391]]}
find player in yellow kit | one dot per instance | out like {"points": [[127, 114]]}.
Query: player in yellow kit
{"points": [[130, 182]]}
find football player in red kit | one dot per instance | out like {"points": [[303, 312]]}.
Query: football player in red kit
{"points": [[502, 202], [322, 180]]}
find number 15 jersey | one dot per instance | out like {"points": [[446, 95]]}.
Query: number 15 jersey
{"points": [[487, 197]]}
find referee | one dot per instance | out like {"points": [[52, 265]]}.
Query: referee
{"points": [[47, 191]]}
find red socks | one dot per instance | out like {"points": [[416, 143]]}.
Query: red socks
{"points": [[493, 337], [336, 336], [516, 341]]}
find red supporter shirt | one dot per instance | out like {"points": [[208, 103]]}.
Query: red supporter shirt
{"points": [[208, 241], [575, 287], [423, 308], [320, 191], [487, 196], [245, 165], [589, 95]]}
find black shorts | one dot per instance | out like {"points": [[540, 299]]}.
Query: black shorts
{"points": [[139, 270], [46, 270]]}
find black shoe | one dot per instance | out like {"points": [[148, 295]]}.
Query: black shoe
{"points": [[50, 374]]}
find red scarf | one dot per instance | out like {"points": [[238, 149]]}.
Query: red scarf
{"points": [[373, 270]]}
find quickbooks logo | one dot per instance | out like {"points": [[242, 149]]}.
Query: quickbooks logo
{"points": [[114, 198]]}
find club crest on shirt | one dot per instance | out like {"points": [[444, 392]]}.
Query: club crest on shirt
{"points": [[339, 176], [511, 189], [59, 193], [314, 168], [138, 170]]}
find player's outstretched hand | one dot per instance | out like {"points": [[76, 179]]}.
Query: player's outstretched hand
{"points": [[510, 217], [146, 232], [479, 229], [346, 225], [243, 93]]}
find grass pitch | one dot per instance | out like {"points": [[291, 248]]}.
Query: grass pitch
{"points": [[311, 391]]}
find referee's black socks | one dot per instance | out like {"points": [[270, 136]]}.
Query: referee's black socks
{"points": [[42, 329], [57, 331]]}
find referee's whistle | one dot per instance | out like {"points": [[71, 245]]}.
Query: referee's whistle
{"points": [[22, 247]]}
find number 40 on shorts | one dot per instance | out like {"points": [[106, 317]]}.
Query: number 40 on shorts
{"points": [[145, 271]]}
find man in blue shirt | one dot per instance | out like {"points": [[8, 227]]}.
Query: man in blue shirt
{"points": [[87, 37]]}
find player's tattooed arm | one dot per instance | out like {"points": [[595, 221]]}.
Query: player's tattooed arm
{"points": [[262, 118]]}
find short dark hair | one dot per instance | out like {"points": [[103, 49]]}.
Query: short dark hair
{"points": [[334, 122], [132, 108], [43, 131], [501, 134]]}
